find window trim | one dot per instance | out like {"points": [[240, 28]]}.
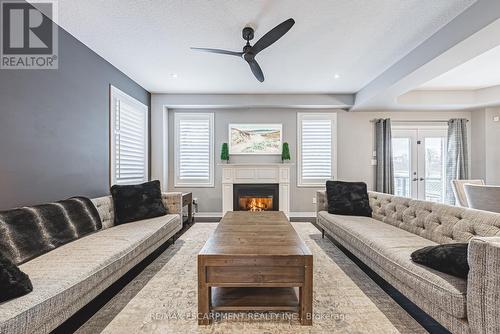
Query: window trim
{"points": [[115, 93], [177, 182], [332, 116]]}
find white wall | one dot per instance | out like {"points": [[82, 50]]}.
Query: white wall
{"points": [[486, 145], [492, 146], [478, 145], [355, 145]]}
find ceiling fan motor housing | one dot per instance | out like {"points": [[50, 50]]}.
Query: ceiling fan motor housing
{"points": [[248, 33]]}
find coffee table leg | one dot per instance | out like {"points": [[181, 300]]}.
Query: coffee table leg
{"points": [[203, 294], [306, 292]]}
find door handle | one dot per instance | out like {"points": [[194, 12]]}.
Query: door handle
{"points": [[422, 179], [414, 179]]}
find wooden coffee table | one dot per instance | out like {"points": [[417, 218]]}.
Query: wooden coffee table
{"points": [[253, 262]]}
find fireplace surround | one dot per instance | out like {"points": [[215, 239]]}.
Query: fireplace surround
{"points": [[256, 173], [256, 197]]}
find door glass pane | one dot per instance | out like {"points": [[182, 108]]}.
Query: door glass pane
{"points": [[401, 159], [434, 169]]}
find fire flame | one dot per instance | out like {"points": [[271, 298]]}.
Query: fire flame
{"points": [[258, 204]]}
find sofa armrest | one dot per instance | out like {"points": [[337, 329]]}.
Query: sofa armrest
{"points": [[173, 202], [321, 201], [483, 285]]}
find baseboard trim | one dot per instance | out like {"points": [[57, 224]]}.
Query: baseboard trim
{"points": [[303, 214], [208, 214]]}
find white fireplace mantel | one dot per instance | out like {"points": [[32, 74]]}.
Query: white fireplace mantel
{"points": [[248, 173]]}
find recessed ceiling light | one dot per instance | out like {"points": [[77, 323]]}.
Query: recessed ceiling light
{"points": [[336, 76], [174, 75]]}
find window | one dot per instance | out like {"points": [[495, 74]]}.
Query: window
{"points": [[129, 139], [194, 149], [317, 150]]}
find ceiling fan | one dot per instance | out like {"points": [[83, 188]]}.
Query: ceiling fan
{"points": [[250, 51]]}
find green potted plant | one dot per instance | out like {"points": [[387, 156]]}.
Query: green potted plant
{"points": [[285, 152], [224, 152]]}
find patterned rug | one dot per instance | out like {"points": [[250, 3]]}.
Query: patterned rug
{"points": [[165, 301]]}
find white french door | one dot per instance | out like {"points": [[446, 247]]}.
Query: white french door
{"points": [[419, 157], [405, 161]]}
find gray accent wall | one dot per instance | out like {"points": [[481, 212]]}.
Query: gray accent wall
{"points": [[355, 142], [54, 127]]}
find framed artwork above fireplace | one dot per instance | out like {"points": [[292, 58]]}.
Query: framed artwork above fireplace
{"points": [[255, 138]]}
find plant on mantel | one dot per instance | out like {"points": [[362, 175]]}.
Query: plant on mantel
{"points": [[224, 153], [285, 153]]}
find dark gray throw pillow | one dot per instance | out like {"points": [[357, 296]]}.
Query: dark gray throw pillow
{"points": [[137, 202], [448, 258], [348, 198], [28, 232], [13, 282]]}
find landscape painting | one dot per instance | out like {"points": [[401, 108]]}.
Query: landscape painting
{"points": [[255, 138]]}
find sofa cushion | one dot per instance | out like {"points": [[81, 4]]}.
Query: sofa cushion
{"points": [[28, 232], [137, 202], [348, 198], [391, 247], [64, 278], [13, 281], [447, 258]]}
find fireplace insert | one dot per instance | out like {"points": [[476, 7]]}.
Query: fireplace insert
{"points": [[256, 197]]}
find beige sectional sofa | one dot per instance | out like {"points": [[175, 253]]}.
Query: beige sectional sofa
{"points": [[400, 226], [67, 278]]}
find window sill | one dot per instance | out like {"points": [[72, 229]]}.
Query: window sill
{"points": [[193, 185], [312, 185]]}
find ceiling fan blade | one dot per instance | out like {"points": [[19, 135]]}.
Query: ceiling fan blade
{"points": [[272, 36], [256, 70], [224, 52]]}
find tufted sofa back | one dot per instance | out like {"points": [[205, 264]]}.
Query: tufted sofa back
{"points": [[437, 222], [104, 206]]}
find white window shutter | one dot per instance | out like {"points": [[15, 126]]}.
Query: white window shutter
{"points": [[317, 151], [129, 139], [194, 149]]}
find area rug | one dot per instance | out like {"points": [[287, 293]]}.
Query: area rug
{"points": [[167, 303]]}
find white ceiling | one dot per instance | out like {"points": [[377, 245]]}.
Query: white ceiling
{"points": [[480, 72], [149, 40]]}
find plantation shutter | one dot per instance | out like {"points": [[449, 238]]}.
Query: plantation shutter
{"points": [[194, 149], [316, 149], [129, 141]]}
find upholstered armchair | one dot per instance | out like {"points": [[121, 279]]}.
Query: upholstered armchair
{"points": [[485, 198], [459, 192]]}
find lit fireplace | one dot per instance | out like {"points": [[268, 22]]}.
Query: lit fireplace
{"points": [[255, 197], [249, 203]]}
